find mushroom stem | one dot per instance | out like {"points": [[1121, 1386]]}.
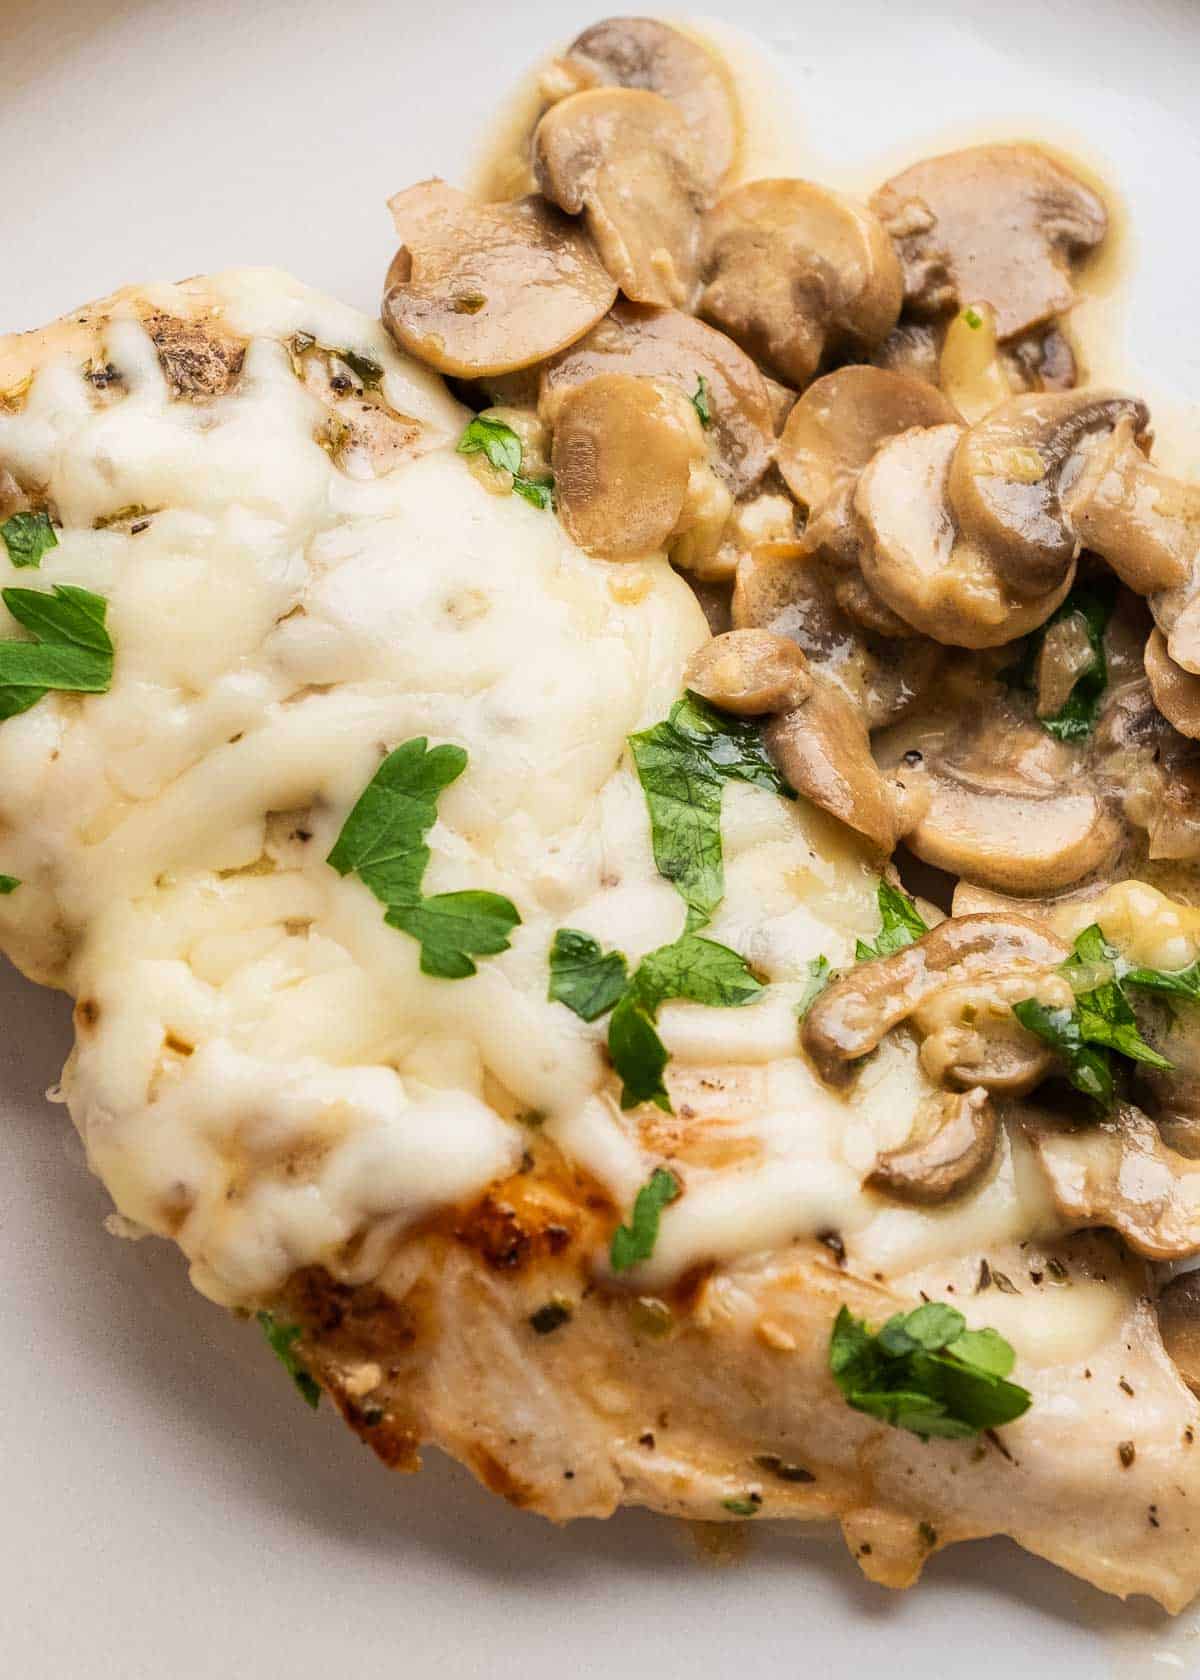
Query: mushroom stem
{"points": [[949, 1159], [1145, 523]]}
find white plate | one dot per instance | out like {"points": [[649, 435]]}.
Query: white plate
{"points": [[167, 1508]]}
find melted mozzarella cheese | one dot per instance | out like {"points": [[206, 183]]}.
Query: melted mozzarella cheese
{"points": [[262, 1071]]}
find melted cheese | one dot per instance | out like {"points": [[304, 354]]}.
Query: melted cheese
{"points": [[262, 1071]]}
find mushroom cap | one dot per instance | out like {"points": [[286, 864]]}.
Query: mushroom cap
{"points": [[1145, 523], [621, 463], [1179, 1325], [831, 434], [823, 750], [626, 159], [1176, 691], [1117, 1171], [955, 1138], [750, 673], [540, 281], [991, 224], [782, 587], [1007, 472], [916, 560], [1008, 835], [793, 272], [852, 1016], [644, 53], [665, 344]]}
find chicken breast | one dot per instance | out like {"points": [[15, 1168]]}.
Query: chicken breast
{"points": [[421, 1175]]}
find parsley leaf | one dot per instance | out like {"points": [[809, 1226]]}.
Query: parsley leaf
{"points": [[27, 536], [383, 842], [502, 447], [71, 651], [1089, 1069], [8, 884], [369, 373], [454, 927], [635, 1242], [1077, 717], [281, 1337], [1179, 982], [1102, 1020], [682, 764], [698, 969], [819, 976], [583, 977], [901, 924], [973, 318], [926, 1372], [701, 401]]}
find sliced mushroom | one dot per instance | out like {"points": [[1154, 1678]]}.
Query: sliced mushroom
{"points": [[1145, 523], [1002, 830], [625, 159], [1179, 1325], [643, 53], [991, 224], [1176, 691], [622, 460], [665, 344], [833, 431], [750, 673], [956, 1134], [1040, 361], [1065, 655], [198, 358], [822, 748], [782, 587], [1117, 1171], [795, 273], [916, 559], [852, 1016], [1154, 770], [478, 289], [912, 348], [1007, 474]]}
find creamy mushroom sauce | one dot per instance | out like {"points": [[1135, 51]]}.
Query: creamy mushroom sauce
{"points": [[262, 1071]]}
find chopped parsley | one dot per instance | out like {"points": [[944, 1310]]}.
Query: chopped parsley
{"points": [[743, 1507], [702, 401], [1101, 1022], [973, 318], [503, 449], [369, 373], [585, 978], [71, 649], [682, 765], [1076, 718], [27, 536], [383, 842], [8, 884], [926, 1372], [282, 1338], [819, 976], [635, 1242], [900, 924]]}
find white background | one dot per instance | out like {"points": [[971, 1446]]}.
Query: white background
{"points": [[167, 1506]]}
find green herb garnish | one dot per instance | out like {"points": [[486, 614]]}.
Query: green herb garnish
{"points": [[582, 976], [504, 450], [282, 1338], [383, 842], [635, 1242], [368, 373], [973, 318], [8, 884], [926, 1372], [901, 924], [71, 650], [682, 765], [1075, 720], [743, 1507], [1101, 1021], [701, 401], [27, 536], [819, 976]]}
